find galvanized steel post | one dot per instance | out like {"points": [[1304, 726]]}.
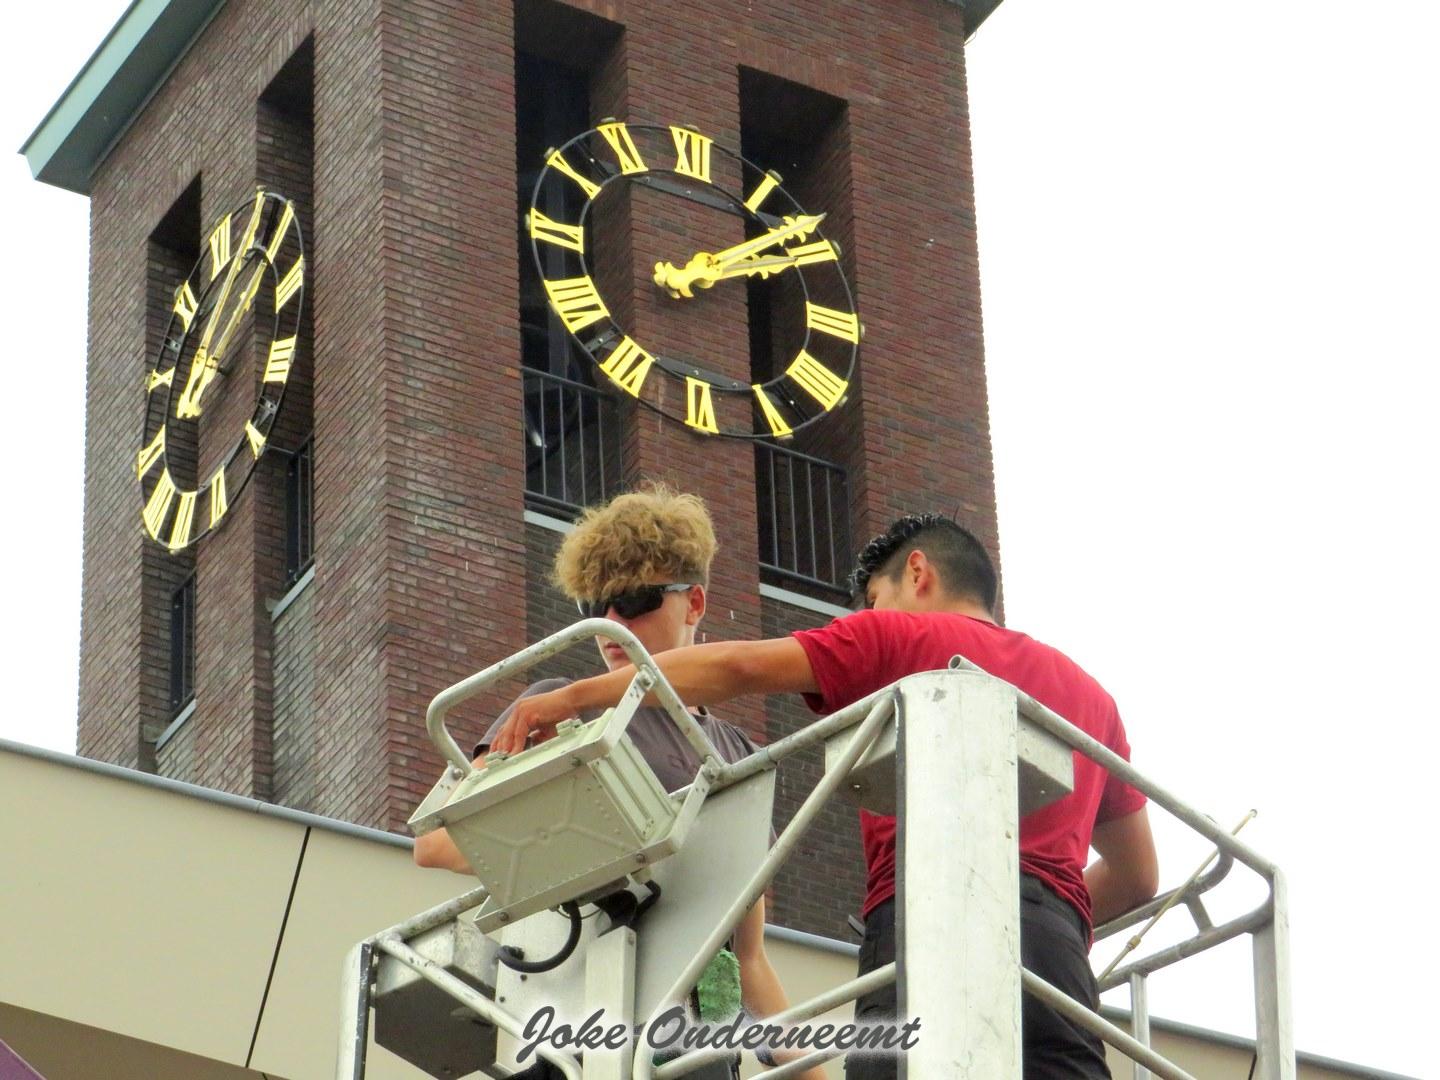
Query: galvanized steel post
{"points": [[958, 907]]}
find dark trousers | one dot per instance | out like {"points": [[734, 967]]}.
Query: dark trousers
{"points": [[1053, 944]]}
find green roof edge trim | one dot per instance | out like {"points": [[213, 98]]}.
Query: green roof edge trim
{"points": [[974, 13], [130, 65]]}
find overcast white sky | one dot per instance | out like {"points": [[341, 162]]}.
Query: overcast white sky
{"points": [[1209, 256]]}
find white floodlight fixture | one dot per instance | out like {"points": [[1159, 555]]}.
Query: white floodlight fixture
{"points": [[573, 818]]}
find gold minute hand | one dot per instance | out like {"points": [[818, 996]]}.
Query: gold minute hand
{"points": [[704, 268], [247, 297], [796, 227], [205, 364]]}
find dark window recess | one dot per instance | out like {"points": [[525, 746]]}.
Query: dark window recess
{"points": [[299, 512], [182, 645], [572, 430], [572, 444], [804, 513]]}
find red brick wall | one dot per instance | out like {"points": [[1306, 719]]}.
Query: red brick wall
{"points": [[422, 562]]}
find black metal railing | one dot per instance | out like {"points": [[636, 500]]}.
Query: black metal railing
{"points": [[300, 512], [572, 443], [182, 644], [803, 506]]}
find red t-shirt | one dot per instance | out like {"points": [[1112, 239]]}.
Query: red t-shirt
{"points": [[860, 653]]}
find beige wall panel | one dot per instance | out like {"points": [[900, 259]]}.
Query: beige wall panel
{"points": [[349, 889], [137, 910], [61, 1050]]}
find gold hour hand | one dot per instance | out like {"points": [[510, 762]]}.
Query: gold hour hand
{"points": [[705, 268], [202, 370]]}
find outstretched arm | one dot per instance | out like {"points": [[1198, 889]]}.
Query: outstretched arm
{"points": [[1127, 872], [700, 674]]}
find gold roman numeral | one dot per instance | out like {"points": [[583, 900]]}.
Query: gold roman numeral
{"points": [[277, 364], [219, 247], [148, 456], [699, 405], [819, 381], [255, 438], [557, 161], [692, 153], [577, 302], [778, 427], [157, 509], [186, 304], [556, 232], [627, 365], [159, 378], [618, 136], [184, 521], [840, 324], [218, 502], [287, 216], [768, 183], [818, 252], [290, 283]]}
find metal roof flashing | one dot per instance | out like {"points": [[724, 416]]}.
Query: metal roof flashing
{"points": [[115, 84], [204, 794], [133, 62]]}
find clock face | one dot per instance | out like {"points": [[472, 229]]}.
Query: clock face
{"points": [[198, 448], [785, 244]]}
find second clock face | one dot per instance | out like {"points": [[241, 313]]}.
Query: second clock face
{"points": [[783, 240], [251, 268]]}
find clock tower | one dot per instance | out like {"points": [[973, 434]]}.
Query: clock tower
{"points": [[383, 293]]}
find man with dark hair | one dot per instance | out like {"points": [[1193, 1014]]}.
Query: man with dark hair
{"points": [[929, 590], [960, 557]]}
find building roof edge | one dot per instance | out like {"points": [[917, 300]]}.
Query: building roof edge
{"points": [[195, 791], [124, 72]]}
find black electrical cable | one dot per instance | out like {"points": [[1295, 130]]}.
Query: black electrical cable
{"points": [[515, 958]]}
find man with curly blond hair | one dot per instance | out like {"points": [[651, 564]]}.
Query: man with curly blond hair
{"points": [[643, 559]]}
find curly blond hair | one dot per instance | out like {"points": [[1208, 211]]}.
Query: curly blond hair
{"points": [[655, 535]]}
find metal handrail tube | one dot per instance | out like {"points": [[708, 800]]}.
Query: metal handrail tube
{"points": [[1198, 914], [1208, 881], [1097, 751], [354, 1012], [1079, 1014], [1191, 946], [768, 757], [1188, 884], [440, 913], [472, 999], [859, 743], [812, 1007], [527, 658]]}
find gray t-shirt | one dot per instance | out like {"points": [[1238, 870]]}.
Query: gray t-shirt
{"points": [[656, 737]]}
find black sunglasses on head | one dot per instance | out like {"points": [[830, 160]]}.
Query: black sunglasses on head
{"points": [[629, 605]]}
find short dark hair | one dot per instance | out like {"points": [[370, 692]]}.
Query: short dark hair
{"points": [[964, 565]]}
